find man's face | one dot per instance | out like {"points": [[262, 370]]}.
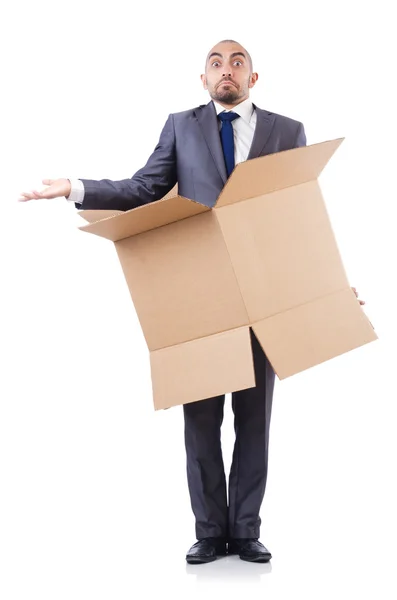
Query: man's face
{"points": [[228, 74]]}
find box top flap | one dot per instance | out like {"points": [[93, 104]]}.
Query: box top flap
{"points": [[91, 216], [272, 172], [144, 218]]}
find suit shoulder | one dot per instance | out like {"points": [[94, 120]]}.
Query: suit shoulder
{"points": [[282, 119], [186, 114]]}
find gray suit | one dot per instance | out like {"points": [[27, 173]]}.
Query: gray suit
{"points": [[189, 153]]}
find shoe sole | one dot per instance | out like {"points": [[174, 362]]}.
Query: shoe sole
{"points": [[195, 560], [199, 561], [258, 559]]}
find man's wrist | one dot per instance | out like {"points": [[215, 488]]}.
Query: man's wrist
{"points": [[76, 194]]}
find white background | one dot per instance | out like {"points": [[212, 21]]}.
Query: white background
{"points": [[94, 502]]}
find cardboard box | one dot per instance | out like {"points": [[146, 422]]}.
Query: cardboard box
{"points": [[264, 257]]}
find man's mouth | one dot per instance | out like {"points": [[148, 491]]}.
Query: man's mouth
{"points": [[226, 82]]}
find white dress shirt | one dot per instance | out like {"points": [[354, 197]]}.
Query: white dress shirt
{"points": [[243, 129]]}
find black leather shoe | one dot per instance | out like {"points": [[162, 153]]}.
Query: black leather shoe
{"points": [[206, 550], [249, 549]]}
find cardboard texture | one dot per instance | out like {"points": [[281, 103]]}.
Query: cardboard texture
{"points": [[265, 257]]}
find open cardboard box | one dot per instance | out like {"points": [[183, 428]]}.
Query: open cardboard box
{"points": [[264, 257]]}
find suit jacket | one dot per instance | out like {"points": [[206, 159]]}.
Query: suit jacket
{"points": [[189, 152]]}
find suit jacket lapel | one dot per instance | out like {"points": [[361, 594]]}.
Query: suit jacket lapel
{"points": [[206, 116], [264, 126]]}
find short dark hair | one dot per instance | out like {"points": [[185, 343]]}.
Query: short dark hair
{"points": [[234, 42]]}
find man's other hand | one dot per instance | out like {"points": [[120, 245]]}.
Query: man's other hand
{"points": [[57, 188], [355, 291]]}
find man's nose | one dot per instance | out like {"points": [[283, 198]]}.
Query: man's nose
{"points": [[226, 71]]}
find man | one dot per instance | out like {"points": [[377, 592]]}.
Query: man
{"points": [[198, 149]]}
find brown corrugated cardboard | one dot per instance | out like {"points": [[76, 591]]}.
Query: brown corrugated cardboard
{"points": [[182, 281], [202, 368], [264, 257]]}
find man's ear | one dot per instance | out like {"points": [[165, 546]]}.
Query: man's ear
{"points": [[204, 81], [253, 80]]}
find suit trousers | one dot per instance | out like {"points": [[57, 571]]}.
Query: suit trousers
{"points": [[235, 516]]}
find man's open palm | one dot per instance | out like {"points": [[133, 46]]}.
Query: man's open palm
{"points": [[56, 189]]}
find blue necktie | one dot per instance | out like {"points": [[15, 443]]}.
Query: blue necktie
{"points": [[227, 138]]}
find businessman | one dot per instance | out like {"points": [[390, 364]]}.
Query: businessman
{"points": [[198, 150]]}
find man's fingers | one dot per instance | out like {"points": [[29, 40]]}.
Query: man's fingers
{"points": [[55, 188], [33, 195], [27, 196], [362, 302]]}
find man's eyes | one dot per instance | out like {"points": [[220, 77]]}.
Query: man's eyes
{"points": [[238, 63]]}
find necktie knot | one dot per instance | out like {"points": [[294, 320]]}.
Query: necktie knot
{"points": [[228, 116]]}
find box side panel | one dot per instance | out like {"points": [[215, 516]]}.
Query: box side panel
{"points": [[314, 333], [276, 171], [145, 218], [182, 282], [202, 368], [283, 249]]}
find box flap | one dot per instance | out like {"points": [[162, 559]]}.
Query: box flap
{"points": [[97, 215], [91, 216], [276, 171], [144, 218], [202, 368], [182, 282], [313, 333], [173, 192]]}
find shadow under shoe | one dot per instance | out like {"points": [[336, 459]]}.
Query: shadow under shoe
{"points": [[206, 550]]}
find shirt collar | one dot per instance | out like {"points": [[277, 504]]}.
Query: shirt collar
{"points": [[244, 109]]}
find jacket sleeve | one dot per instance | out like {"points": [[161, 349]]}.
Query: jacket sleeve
{"points": [[150, 183], [300, 139]]}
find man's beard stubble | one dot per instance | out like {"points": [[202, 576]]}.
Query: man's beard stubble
{"points": [[228, 96]]}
